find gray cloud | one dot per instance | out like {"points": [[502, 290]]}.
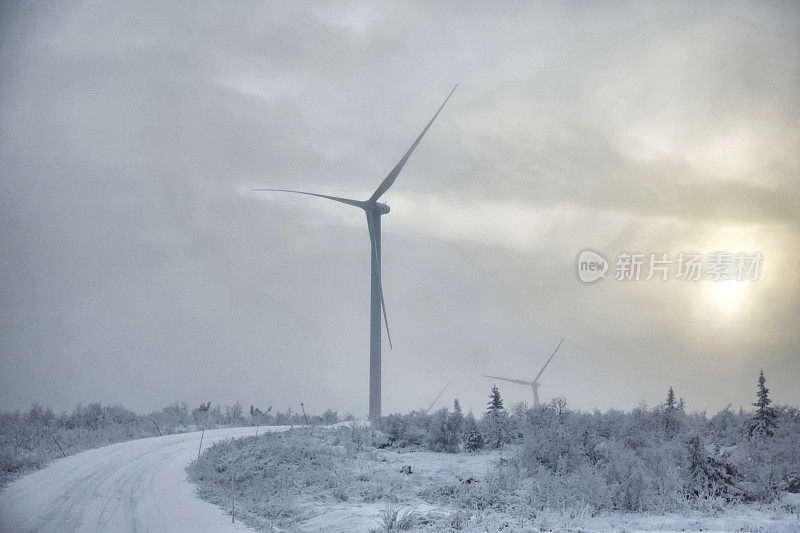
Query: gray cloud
{"points": [[138, 268]]}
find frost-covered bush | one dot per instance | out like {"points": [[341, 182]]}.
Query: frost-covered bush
{"points": [[627, 478], [656, 461], [28, 440], [498, 490], [761, 477], [329, 417], [625, 462], [445, 430], [265, 474], [585, 488], [269, 475], [665, 464], [551, 441], [175, 418], [441, 431], [725, 426], [409, 429], [396, 518], [495, 427], [357, 437]]}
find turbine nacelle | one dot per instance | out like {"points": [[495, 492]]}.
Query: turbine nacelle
{"points": [[380, 208]]}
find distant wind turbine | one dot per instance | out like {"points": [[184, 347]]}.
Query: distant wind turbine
{"points": [[374, 210], [532, 384], [428, 410]]}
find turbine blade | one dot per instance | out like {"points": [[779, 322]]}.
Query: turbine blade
{"points": [[347, 201], [548, 361], [373, 246], [389, 180], [519, 381], [436, 400], [385, 320]]}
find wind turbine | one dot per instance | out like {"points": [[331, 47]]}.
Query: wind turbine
{"points": [[374, 210], [428, 410], [532, 384]]}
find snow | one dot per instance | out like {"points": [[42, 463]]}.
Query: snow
{"points": [[137, 485], [418, 492], [428, 468], [142, 485]]}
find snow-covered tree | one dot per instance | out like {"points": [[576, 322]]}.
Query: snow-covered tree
{"points": [[495, 401], [495, 421], [445, 434], [559, 405], [329, 416], [670, 404], [708, 476], [670, 413], [725, 426], [473, 440], [456, 406], [765, 419], [234, 414], [456, 420]]}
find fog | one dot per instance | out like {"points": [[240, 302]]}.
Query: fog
{"points": [[138, 267]]}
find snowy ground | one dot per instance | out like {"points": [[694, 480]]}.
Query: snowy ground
{"points": [[429, 469], [449, 492], [141, 485], [138, 485]]}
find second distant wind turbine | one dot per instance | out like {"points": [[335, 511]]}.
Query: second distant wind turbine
{"points": [[532, 384], [374, 210]]}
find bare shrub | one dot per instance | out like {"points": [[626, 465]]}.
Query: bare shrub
{"points": [[393, 517]]}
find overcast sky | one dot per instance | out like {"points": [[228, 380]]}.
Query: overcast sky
{"points": [[138, 267]]}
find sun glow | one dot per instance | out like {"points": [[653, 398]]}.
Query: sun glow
{"points": [[727, 295]]}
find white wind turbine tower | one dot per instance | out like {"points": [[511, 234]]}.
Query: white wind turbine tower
{"points": [[532, 384], [374, 211]]}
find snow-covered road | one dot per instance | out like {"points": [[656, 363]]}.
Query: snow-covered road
{"points": [[137, 485]]}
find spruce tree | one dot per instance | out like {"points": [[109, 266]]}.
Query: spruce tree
{"points": [[765, 419], [495, 401], [456, 406], [473, 440], [455, 425], [709, 477], [671, 424], [670, 400], [495, 428], [457, 420], [495, 421]]}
